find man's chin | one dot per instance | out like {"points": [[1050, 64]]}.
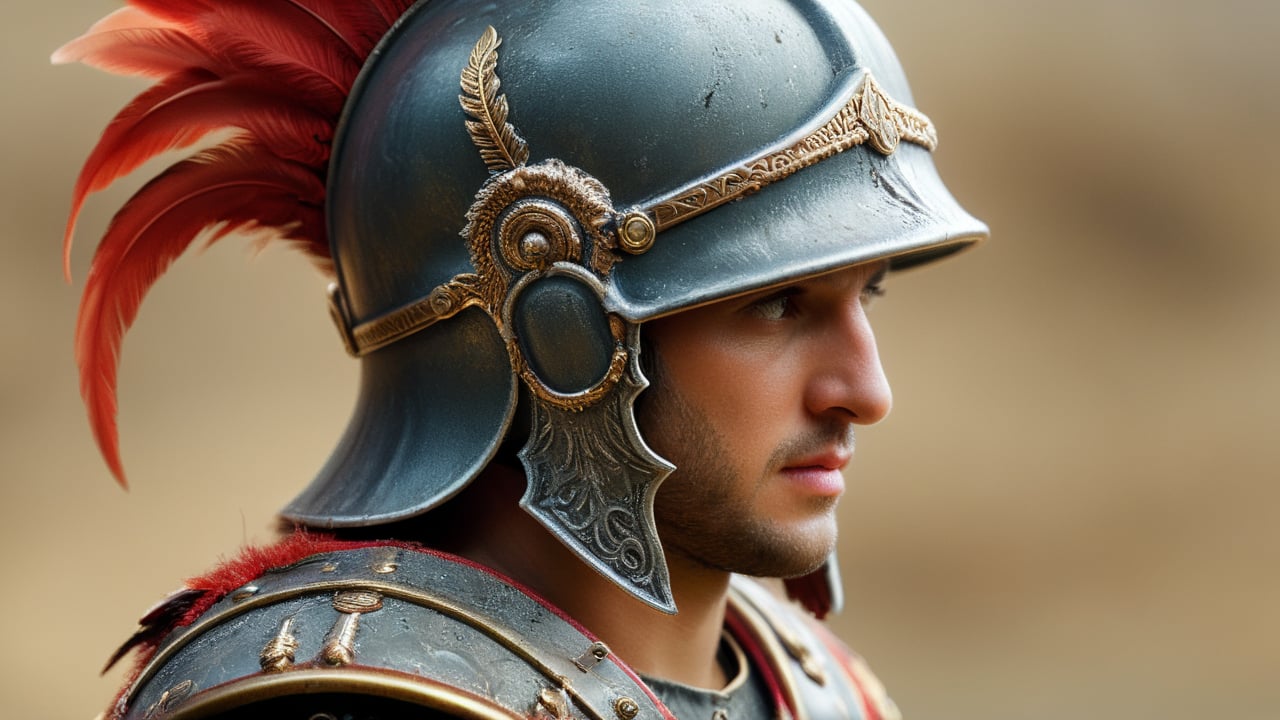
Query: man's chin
{"points": [[787, 554]]}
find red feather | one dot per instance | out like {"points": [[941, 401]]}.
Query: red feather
{"points": [[276, 27], [130, 42], [143, 131], [224, 189], [278, 73]]}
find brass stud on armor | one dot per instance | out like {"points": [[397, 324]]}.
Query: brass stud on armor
{"points": [[626, 708], [244, 593], [340, 646], [277, 655]]}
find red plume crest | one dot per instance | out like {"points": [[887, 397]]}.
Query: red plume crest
{"points": [[276, 73]]}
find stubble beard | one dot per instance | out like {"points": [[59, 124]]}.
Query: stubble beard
{"points": [[705, 515]]}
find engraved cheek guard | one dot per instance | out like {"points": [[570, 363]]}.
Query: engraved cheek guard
{"points": [[552, 290]]}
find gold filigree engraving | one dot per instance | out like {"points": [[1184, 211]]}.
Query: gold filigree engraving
{"points": [[571, 211], [500, 146], [870, 115], [443, 302]]}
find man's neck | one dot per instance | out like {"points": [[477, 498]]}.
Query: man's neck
{"points": [[679, 647]]}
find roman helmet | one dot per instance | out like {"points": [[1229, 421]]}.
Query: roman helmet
{"points": [[514, 188]]}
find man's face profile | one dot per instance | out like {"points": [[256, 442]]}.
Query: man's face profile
{"points": [[754, 400]]}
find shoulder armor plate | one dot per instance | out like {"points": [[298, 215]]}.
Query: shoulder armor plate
{"points": [[418, 628]]}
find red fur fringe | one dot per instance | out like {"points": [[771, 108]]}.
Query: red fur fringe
{"points": [[251, 563]]}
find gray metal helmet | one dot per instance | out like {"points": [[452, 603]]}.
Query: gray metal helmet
{"points": [[517, 186]]}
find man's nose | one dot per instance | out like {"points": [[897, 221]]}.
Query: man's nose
{"points": [[848, 380]]}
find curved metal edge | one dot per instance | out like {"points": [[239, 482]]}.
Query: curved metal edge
{"points": [[380, 683], [408, 594]]}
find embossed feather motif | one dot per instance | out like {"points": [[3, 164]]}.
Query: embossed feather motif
{"points": [[500, 146]]}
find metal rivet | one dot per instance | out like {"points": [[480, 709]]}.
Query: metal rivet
{"points": [[535, 246], [637, 233], [328, 568], [244, 593], [626, 708], [385, 568], [592, 657]]}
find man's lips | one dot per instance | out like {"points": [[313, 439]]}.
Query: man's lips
{"points": [[819, 474], [829, 460]]}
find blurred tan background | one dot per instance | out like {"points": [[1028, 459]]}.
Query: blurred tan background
{"points": [[1073, 511]]}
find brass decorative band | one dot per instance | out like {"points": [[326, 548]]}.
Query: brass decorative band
{"points": [[869, 116], [443, 302]]}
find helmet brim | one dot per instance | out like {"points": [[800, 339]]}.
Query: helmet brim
{"points": [[856, 207]]}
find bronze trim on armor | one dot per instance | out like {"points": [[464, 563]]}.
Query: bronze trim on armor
{"points": [[385, 684], [387, 590]]}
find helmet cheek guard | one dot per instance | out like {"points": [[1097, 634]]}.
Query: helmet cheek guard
{"points": [[748, 145]]}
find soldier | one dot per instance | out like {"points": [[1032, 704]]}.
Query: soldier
{"points": [[533, 211]]}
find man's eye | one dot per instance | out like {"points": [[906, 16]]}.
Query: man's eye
{"points": [[871, 292], [774, 308]]}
